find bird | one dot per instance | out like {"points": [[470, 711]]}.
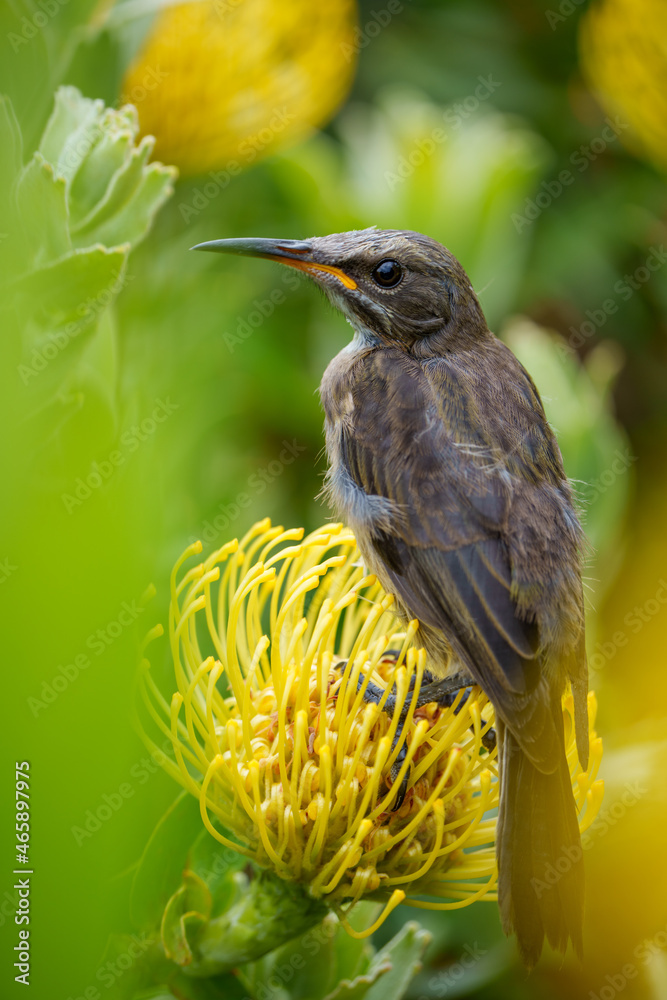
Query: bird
{"points": [[442, 462]]}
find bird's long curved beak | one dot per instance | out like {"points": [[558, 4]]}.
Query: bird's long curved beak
{"points": [[294, 253]]}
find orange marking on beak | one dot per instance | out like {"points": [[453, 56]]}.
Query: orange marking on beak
{"points": [[306, 265]]}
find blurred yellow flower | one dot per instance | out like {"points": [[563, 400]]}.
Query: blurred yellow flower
{"points": [[221, 83], [624, 56], [273, 737]]}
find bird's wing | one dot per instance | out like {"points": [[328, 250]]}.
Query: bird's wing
{"points": [[446, 553]]}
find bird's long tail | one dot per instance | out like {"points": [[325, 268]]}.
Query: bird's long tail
{"points": [[540, 863]]}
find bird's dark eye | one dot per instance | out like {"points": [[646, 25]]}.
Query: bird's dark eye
{"points": [[388, 273]]}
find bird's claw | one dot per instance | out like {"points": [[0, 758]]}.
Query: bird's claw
{"points": [[395, 771], [489, 738], [443, 692]]}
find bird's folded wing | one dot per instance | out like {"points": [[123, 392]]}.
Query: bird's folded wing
{"points": [[445, 553]]}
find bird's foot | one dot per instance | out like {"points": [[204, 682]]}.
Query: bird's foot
{"points": [[443, 692], [374, 695]]}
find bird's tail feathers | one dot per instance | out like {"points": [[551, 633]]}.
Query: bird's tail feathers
{"points": [[578, 674], [540, 862]]}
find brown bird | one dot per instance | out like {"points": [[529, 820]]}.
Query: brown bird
{"points": [[442, 462]]}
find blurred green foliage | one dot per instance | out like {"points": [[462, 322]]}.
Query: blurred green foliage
{"points": [[192, 902], [168, 409]]}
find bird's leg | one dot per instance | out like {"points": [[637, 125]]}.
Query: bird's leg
{"points": [[443, 692], [448, 698], [436, 691], [374, 695]]}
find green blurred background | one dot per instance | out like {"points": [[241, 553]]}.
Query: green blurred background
{"points": [[531, 140]]}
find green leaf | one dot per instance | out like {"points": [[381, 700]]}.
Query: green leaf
{"points": [[216, 866], [42, 204], [185, 919], [123, 185], [357, 989], [185, 916], [133, 220], [174, 941], [71, 131], [324, 959], [75, 289], [304, 967], [390, 970], [112, 193], [198, 895], [405, 952], [106, 157], [353, 955], [267, 913], [161, 867]]}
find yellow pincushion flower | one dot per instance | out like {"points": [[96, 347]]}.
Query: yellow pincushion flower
{"points": [[274, 639], [624, 56], [220, 83]]}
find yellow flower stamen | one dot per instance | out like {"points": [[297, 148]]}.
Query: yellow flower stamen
{"points": [[274, 647], [397, 897]]}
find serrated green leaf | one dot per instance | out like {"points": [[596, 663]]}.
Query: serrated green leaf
{"points": [[112, 193], [324, 961], [107, 156], [390, 971], [123, 185], [404, 952], [134, 219], [358, 988], [70, 131], [42, 204], [161, 867], [267, 913], [114, 140]]}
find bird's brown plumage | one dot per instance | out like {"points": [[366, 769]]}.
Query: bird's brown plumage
{"points": [[444, 465]]}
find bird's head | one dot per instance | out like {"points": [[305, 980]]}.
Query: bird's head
{"points": [[395, 287]]}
